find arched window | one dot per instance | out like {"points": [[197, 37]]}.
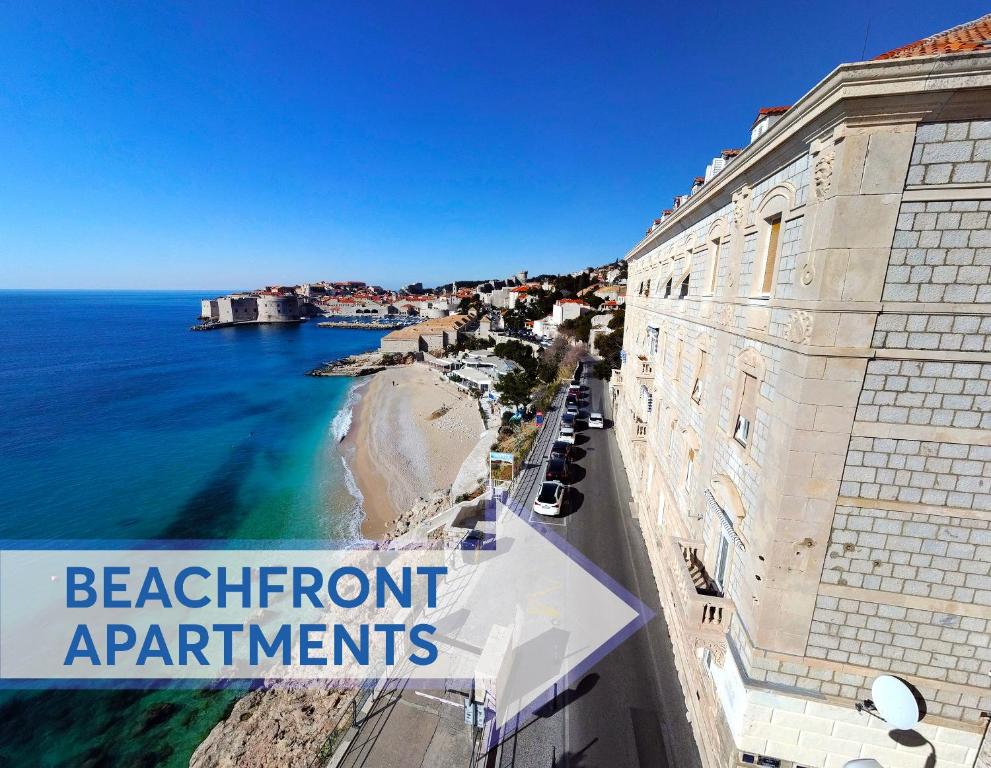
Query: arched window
{"points": [[750, 367], [715, 247], [770, 221]]}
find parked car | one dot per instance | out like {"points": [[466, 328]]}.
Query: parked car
{"points": [[550, 499], [575, 389], [571, 410], [557, 469], [568, 419], [561, 450], [567, 434], [595, 420]]}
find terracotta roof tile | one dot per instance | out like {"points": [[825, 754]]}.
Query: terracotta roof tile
{"points": [[767, 111], [973, 36]]}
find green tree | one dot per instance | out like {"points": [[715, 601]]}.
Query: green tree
{"points": [[618, 319], [519, 353], [609, 345], [579, 327], [515, 387]]}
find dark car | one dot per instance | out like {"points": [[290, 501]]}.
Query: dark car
{"points": [[557, 469], [568, 419], [571, 400], [561, 450]]}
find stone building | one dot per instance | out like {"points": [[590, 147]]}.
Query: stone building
{"points": [[433, 335], [237, 308], [805, 418]]}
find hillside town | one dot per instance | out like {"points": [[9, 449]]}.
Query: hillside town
{"points": [[795, 360]]}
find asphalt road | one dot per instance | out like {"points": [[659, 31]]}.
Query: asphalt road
{"points": [[628, 710]]}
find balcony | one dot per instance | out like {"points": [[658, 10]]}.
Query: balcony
{"points": [[639, 430], [644, 369], [707, 613]]}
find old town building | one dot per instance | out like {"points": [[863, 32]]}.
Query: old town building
{"points": [[804, 413]]}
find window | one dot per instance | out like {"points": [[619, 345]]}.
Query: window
{"points": [[674, 429], [714, 264], [683, 289], [771, 254], [653, 338], [699, 374], [660, 508], [722, 562], [690, 470], [667, 288], [747, 411]]}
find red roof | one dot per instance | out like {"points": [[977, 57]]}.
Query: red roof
{"points": [[973, 36], [769, 111], [572, 301], [730, 152]]}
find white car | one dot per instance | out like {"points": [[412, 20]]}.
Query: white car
{"points": [[595, 420], [567, 434], [550, 498], [573, 410]]}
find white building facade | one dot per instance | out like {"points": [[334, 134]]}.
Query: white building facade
{"points": [[804, 415]]}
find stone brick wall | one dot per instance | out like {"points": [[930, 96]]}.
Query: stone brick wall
{"points": [[940, 393], [790, 242], [951, 153], [747, 259], [941, 252], [965, 333], [795, 173], [913, 553], [937, 646], [846, 631], [943, 474]]}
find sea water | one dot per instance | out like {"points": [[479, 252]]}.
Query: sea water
{"points": [[117, 422]]}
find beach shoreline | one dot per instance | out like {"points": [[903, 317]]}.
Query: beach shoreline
{"points": [[411, 431]]}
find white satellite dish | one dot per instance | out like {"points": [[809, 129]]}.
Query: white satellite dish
{"points": [[895, 702], [864, 762]]}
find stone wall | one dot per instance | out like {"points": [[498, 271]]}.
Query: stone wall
{"points": [[913, 553], [941, 252], [914, 471], [940, 393], [956, 152]]}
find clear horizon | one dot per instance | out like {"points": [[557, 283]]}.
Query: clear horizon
{"points": [[157, 148]]}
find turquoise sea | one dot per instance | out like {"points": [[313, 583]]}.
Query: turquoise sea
{"points": [[116, 421]]}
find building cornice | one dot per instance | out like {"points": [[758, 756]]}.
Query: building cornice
{"points": [[863, 94]]}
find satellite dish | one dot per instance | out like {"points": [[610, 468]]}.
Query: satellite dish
{"points": [[864, 762], [895, 702]]}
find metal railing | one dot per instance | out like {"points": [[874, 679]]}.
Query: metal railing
{"points": [[347, 720]]}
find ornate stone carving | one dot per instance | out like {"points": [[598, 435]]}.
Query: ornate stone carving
{"points": [[823, 154], [823, 174], [741, 200], [799, 327], [725, 315], [716, 647]]}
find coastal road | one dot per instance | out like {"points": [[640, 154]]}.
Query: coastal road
{"points": [[628, 711]]}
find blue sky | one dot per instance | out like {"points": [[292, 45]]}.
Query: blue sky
{"points": [[165, 145]]}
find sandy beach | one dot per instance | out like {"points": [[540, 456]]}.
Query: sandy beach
{"points": [[410, 434]]}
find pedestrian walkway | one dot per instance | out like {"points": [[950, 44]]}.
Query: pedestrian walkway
{"points": [[412, 729]]}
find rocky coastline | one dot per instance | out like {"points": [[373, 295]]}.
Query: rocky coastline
{"points": [[365, 364]]}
